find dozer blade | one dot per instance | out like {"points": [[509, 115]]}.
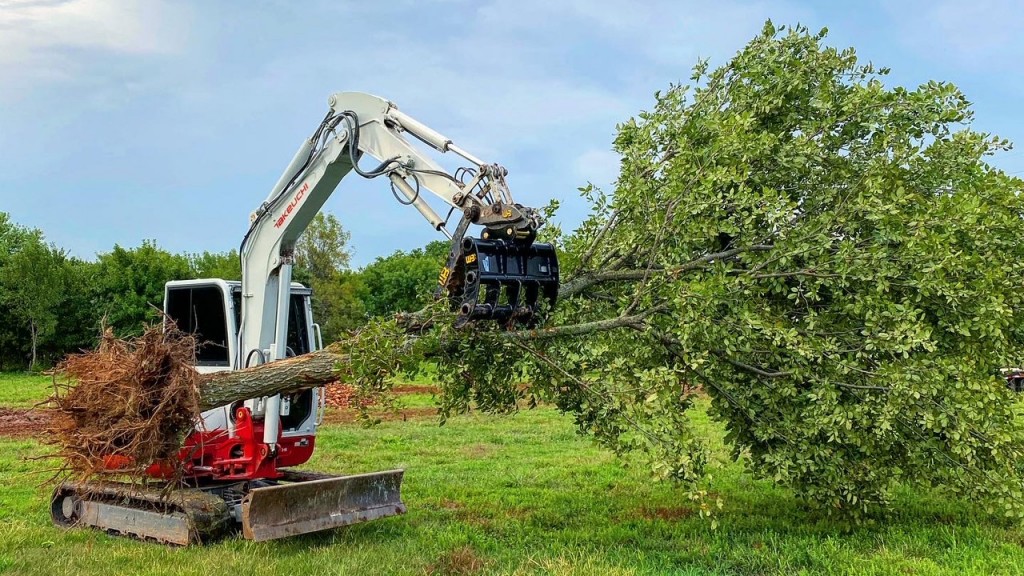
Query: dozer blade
{"points": [[313, 502]]}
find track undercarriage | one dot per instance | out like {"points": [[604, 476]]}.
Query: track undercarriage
{"points": [[297, 503]]}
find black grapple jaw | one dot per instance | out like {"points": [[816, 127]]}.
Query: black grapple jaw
{"points": [[504, 276]]}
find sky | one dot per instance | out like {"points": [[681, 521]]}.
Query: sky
{"points": [[126, 120]]}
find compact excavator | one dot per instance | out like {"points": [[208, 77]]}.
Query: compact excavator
{"points": [[239, 460]]}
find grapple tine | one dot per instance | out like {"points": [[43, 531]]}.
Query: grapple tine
{"points": [[318, 502]]}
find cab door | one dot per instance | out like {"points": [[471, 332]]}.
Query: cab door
{"points": [[202, 309]]}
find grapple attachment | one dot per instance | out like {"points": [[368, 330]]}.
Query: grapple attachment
{"points": [[508, 281]]}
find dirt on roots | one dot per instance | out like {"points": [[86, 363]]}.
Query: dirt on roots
{"points": [[126, 404], [343, 396]]}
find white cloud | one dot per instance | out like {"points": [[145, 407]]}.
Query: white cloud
{"points": [[537, 85], [47, 40], [598, 166], [455, 84]]}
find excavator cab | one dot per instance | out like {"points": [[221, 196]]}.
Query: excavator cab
{"points": [[210, 310]]}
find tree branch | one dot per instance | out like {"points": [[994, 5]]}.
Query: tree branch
{"points": [[674, 345], [581, 283], [631, 321], [598, 237], [586, 387], [808, 273], [750, 368]]}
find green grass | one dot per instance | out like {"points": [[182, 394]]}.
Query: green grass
{"points": [[525, 495], [21, 390]]}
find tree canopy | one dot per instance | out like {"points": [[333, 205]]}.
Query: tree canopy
{"points": [[34, 276], [403, 281], [322, 256], [130, 284], [829, 257], [52, 304]]}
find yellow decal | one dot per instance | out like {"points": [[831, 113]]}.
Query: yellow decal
{"points": [[443, 278], [471, 258], [507, 213]]}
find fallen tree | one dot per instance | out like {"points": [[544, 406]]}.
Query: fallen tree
{"points": [[130, 403], [830, 257], [831, 260], [289, 375]]}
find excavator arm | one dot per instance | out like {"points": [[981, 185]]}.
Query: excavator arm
{"points": [[504, 275]]}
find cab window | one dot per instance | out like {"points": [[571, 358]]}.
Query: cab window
{"points": [[199, 311]]}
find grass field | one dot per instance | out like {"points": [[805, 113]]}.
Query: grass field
{"points": [[23, 390], [519, 495]]}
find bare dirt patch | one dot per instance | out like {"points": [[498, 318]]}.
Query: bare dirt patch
{"points": [[667, 513], [22, 423], [341, 395], [348, 415], [459, 561], [478, 450], [411, 389]]}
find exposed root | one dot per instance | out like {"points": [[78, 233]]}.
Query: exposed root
{"points": [[126, 405]]}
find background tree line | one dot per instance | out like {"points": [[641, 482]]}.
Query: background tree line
{"points": [[53, 303]]}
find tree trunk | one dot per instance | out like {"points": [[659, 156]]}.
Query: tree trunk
{"points": [[319, 368], [288, 375], [34, 332]]}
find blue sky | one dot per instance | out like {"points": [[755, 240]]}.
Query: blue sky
{"points": [[125, 120]]}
